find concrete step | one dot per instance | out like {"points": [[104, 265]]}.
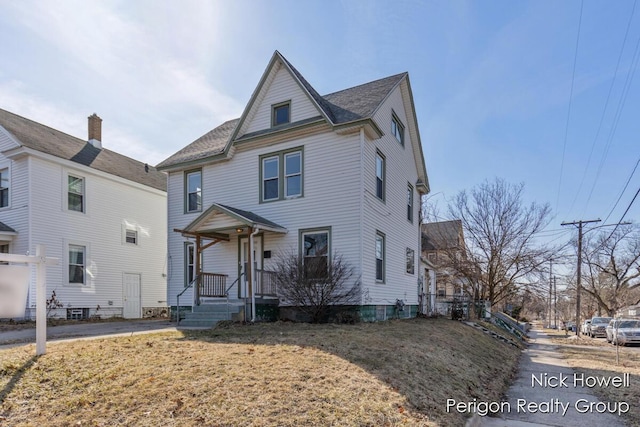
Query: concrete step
{"points": [[207, 316]]}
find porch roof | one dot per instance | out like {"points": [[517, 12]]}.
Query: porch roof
{"points": [[6, 233], [219, 219]]}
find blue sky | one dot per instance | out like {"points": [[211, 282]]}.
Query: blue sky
{"points": [[493, 81]]}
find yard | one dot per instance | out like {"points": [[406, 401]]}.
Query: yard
{"points": [[285, 374]]}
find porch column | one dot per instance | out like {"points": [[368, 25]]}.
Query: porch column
{"points": [[249, 272], [198, 268]]}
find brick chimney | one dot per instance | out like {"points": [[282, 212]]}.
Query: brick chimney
{"points": [[95, 130]]}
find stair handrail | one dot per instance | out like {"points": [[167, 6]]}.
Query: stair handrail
{"points": [[195, 279], [226, 293]]}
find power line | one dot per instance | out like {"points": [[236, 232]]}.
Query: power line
{"points": [[566, 129], [623, 190], [606, 105], [624, 214]]}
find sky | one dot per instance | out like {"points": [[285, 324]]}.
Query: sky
{"points": [[537, 92]]}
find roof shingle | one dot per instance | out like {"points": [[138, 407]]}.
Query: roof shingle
{"points": [[42, 138]]}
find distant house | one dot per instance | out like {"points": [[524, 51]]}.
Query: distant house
{"points": [[318, 175], [443, 242], [103, 215]]}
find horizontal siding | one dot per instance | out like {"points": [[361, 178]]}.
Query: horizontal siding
{"points": [[282, 88], [111, 206], [390, 217], [6, 141], [331, 199], [16, 215]]}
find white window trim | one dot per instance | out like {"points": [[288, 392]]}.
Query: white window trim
{"points": [[381, 156], [381, 235], [299, 154], [128, 227], [88, 273], [397, 124], [410, 203], [65, 192], [264, 179]]}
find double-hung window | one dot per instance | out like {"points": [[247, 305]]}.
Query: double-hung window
{"points": [[193, 191], [77, 264], [4, 188], [397, 129], [409, 202], [380, 254], [281, 175], [380, 175], [411, 261], [75, 198], [315, 253], [189, 263]]}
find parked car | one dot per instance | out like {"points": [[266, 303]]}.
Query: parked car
{"points": [[598, 326], [628, 332], [610, 329], [584, 328], [571, 326]]}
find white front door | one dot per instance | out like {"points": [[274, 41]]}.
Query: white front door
{"points": [[256, 257], [131, 308]]}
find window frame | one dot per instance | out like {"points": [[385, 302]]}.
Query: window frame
{"points": [[135, 242], [380, 236], [410, 202], [397, 128], [187, 193], [8, 251], [5, 172], [281, 157], [381, 181], [317, 230], [190, 268], [83, 266], [411, 261], [274, 109], [83, 195]]}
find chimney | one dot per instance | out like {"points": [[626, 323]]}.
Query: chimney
{"points": [[95, 130]]}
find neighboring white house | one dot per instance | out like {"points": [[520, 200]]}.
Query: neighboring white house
{"points": [[317, 175], [101, 213]]}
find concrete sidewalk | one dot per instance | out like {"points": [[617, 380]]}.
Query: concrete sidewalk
{"points": [[86, 331], [561, 400]]}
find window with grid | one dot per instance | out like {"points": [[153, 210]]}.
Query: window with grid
{"points": [[75, 198], [193, 199], [77, 264], [380, 253], [4, 188], [315, 254]]}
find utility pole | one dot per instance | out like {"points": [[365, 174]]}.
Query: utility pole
{"points": [[579, 281], [555, 302], [550, 293]]}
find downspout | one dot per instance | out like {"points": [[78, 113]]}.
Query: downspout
{"points": [[253, 274], [362, 196]]}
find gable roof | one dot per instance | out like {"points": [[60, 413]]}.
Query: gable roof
{"points": [[5, 228], [38, 137], [338, 108], [441, 235]]}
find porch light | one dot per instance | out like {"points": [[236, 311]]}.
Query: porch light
{"points": [[239, 230]]}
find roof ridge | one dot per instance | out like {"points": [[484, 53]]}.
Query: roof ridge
{"points": [[367, 83]]}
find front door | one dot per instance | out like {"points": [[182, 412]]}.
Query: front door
{"points": [[131, 308], [256, 257]]}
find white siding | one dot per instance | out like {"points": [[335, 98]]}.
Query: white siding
{"points": [[112, 205], [282, 88], [6, 140], [331, 198], [390, 216], [16, 215]]}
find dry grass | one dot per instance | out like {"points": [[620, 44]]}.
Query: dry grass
{"points": [[392, 373], [596, 357]]}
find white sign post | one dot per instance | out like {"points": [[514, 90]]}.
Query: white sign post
{"points": [[15, 278]]}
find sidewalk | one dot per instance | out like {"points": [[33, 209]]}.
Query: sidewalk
{"points": [[558, 401], [86, 331]]}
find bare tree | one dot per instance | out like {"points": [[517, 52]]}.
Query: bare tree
{"points": [[613, 268], [314, 284], [501, 253]]}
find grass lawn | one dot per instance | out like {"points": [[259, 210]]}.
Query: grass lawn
{"points": [[277, 374], [594, 356]]}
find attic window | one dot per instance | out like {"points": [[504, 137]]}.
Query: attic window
{"points": [[397, 128], [281, 114]]}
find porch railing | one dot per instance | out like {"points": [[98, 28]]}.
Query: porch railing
{"points": [[265, 283], [212, 284]]}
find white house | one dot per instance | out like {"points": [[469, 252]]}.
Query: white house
{"points": [[103, 215], [318, 175]]}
